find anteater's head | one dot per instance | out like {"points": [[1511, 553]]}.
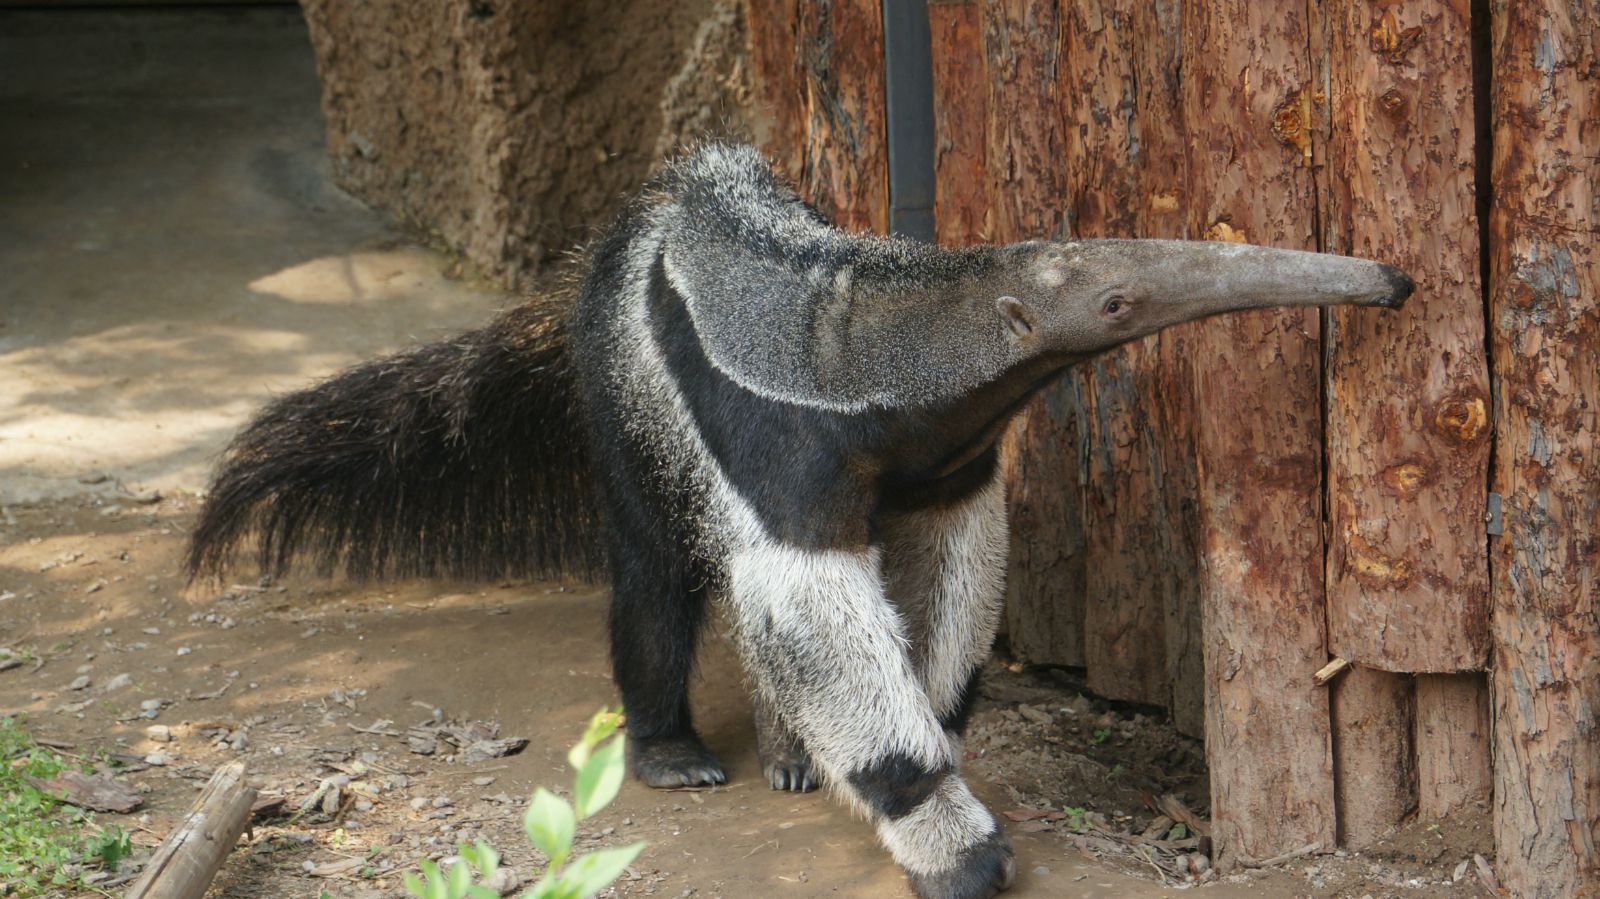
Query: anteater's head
{"points": [[1089, 296]]}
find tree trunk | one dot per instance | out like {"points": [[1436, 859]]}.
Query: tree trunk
{"points": [[1545, 315], [1260, 460], [188, 859]]}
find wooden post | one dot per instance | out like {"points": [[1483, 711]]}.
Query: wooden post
{"points": [[1407, 407], [1023, 159], [960, 120], [1545, 320], [819, 71], [188, 859], [1452, 744], [1372, 760], [1267, 738], [1108, 50]]}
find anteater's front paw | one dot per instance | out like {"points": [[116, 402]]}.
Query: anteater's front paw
{"points": [[683, 761], [980, 871]]}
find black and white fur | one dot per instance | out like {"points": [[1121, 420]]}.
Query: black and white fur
{"points": [[793, 421]]}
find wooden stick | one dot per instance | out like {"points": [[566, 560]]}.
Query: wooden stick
{"points": [[1329, 671], [187, 861]]}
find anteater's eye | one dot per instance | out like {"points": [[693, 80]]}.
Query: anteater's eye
{"points": [[1115, 306]]}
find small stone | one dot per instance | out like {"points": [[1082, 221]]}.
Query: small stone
{"points": [[482, 781], [158, 759], [364, 805], [184, 650], [152, 631], [159, 733], [443, 802], [1041, 871], [151, 705], [419, 803], [80, 682], [505, 881]]}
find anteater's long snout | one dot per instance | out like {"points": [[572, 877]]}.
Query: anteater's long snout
{"points": [[1400, 287]]}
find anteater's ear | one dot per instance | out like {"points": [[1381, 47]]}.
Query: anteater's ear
{"points": [[1018, 317]]}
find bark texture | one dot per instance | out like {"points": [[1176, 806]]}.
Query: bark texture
{"points": [[1408, 432], [1452, 744], [1372, 760], [1545, 318], [1259, 469], [819, 72]]}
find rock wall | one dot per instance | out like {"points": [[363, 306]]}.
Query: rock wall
{"points": [[511, 130]]}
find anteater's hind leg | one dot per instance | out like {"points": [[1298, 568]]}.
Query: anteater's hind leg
{"points": [[657, 607]]}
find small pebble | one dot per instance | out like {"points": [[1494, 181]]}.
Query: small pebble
{"points": [[184, 650], [150, 705], [419, 803], [152, 631], [120, 681], [79, 683], [443, 802], [159, 733], [482, 781], [1041, 871]]}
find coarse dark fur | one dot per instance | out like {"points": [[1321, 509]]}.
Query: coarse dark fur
{"points": [[462, 459]]}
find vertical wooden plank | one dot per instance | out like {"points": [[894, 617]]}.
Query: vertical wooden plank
{"points": [[1372, 759], [1452, 743], [1169, 378], [1545, 322], [1023, 157], [1122, 143], [819, 70], [1267, 737], [1408, 423], [1124, 610], [960, 121], [1407, 409]]}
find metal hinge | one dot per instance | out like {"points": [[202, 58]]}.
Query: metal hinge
{"points": [[1492, 525]]}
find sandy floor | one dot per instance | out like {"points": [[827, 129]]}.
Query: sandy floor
{"points": [[173, 253]]}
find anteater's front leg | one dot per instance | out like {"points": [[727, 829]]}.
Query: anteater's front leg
{"points": [[830, 653], [945, 566]]}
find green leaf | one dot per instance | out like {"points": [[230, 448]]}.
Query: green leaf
{"points": [[488, 859], [604, 723], [436, 884], [550, 825], [481, 892], [414, 885], [599, 779], [460, 878], [595, 871]]}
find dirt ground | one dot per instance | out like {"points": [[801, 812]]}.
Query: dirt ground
{"points": [[173, 255]]}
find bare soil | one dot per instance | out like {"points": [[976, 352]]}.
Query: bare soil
{"points": [[309, 680]]}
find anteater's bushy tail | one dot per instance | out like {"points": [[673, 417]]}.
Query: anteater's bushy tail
{"points": [[463, 459]]}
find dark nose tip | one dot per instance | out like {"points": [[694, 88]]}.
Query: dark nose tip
{"points": [[1400, 287]]}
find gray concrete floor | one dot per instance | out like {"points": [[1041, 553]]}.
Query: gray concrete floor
{"points": [[172, 249]]}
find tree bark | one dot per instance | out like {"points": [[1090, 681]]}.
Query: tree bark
{"points": [[1408, 425], [819, 72], [1545, 320], [1260, 457], [1123, 141], [1023, 162]]}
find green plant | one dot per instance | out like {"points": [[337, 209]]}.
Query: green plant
{"points": [[1102, 734], [550, 823], [45, 846], [1077, 818]]}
